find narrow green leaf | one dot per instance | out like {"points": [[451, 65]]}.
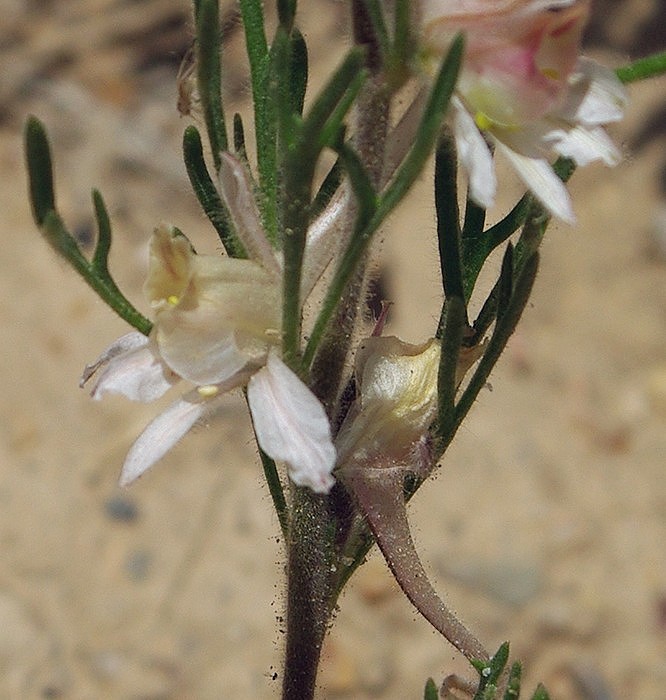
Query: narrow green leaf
{"points": [[279, 91], [486, 315], [329, 131], [448, 217], [451, 331], [207, 194], [298, 70], [208, 75], [40, 169], [505, 283], [490, 672], [513, 684], [477, 245], [366, 196], [301, 150], [345, 77], [265, 110], [62, 241], [503, 330], [276, 491], [648, 67], [100, 261], [286, 13], [96, 274], [499, 662], [540, 693], [403, 45], [475, 219], [430, 692], [252, 15]]}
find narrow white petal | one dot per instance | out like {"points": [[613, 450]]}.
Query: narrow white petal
{"points": [[326, 236], [475, 157], [161, 435], [291, 425], [130, 367], [542, 181], [124, 344], [401, 138], [587, 144], [596, 96], [236, 190]]}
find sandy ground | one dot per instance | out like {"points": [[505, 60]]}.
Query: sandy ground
{"points": [[545, 525]]}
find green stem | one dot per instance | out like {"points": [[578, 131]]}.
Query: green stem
{"points": [[309, 592]]}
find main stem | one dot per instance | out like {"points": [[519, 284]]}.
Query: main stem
{"points": [[309, 591], [311, 563]]}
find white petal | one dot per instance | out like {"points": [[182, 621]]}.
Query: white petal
{"points": [[587, 144], [326, 236], [596, 96], [162, 434], [131, 368], [236, 190], [127, 342], [291, 425], [475, 156], [542, 181], [199, 351]]}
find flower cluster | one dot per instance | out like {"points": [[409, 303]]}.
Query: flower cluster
{"points": [[524, 90]]}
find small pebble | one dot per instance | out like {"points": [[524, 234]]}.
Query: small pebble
{"points": [[121, 509], [138, 564]]}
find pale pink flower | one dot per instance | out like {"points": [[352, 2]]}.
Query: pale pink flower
{"points": [[218, 327], [524, 89], [396, 403]]}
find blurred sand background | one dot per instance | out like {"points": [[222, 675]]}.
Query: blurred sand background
{"points": [[545, 526]]}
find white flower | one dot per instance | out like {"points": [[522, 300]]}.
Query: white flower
{"points": [[218, 327], [396, 403], [524, 89]]}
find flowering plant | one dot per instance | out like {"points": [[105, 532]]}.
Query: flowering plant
{"points": [[349, 422]]}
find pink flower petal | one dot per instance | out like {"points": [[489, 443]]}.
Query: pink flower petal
{"points": [[162, 434], [291, 425]]}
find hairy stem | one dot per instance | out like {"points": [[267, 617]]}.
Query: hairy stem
{"points": [[309, 592]]}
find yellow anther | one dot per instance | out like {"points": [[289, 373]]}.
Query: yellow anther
{"points": [[207, 391], [483, 121], [551, 73], [173, 299]]}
